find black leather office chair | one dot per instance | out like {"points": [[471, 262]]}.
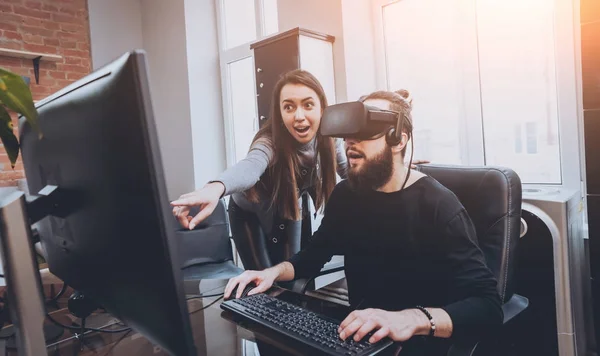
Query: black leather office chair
{"points": [[492, 197], [206, 252]]}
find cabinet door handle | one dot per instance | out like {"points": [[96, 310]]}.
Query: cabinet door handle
{"points": [[261, 85], [258, 70]]}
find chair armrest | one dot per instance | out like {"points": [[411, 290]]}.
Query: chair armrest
{"points": [[209, 244], [463, 349], [300, 285], [329, 268], [515, 306]]}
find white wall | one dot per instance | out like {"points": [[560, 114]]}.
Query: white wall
{"points": [[204, 90], [186, 94], [163, 27], [351, 22], [357, 24], [115, 28], [321, 16]]}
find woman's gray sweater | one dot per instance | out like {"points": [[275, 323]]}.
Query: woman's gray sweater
{"points": [[247, 172]]}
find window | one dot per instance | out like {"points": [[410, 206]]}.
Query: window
{"points": [[243, 104], [424, 138], [485, 78], [423, 52], [518, 139], [531, 130], [241, 22], [518, 85], [270, 17]]}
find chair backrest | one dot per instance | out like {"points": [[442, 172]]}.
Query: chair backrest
{"points": [[492, 198], [209, 241]]}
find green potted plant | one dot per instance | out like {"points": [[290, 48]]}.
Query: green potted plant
{"points": [[14, 95]]}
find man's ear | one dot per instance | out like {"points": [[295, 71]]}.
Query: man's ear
{"points": [[399, 147]]}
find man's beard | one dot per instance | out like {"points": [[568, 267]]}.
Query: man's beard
{"points": [[374, 172]]}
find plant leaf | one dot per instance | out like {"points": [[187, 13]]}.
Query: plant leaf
{"points": [[15, 94], [11, 145]]}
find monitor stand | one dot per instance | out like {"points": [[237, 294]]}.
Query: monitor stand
{"points": [[21, 273], [23, 282]]}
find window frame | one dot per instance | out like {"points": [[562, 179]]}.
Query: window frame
{"points": [[230, 55], [227, 56], [567, 66]]}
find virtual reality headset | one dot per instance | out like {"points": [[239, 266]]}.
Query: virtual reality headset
{"points": [[359, 121]]}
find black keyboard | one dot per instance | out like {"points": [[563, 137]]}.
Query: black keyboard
{"points": [[308, 327]]}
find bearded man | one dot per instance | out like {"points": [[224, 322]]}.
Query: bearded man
{"points": [[410, 251]]}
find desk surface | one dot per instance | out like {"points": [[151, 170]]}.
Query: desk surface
{"points": [[216, 332]]}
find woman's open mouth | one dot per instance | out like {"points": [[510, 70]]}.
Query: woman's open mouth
{"points": [[302, 130]]}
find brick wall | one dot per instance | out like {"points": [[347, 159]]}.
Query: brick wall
{"points": [[46, 26]]}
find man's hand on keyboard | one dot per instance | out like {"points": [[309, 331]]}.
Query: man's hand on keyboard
{"points": [[262, 279], [399, 325]]}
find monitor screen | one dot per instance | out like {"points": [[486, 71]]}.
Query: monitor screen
{"points": [[117, 244]]}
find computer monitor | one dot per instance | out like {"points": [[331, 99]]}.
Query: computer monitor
{"points": [[117, 244]]}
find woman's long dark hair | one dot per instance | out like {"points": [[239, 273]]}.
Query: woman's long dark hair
{"points": [[285, 165]]}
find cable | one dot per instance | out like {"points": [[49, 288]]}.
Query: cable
{"points": [[86, 328], [62, 341], [62, 291], [201, 296], [209, 305]]}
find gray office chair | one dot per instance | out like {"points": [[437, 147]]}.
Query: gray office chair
{"points": [[205, 252]]}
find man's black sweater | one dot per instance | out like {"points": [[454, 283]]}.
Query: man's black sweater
{"points": [[412, 247]]}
